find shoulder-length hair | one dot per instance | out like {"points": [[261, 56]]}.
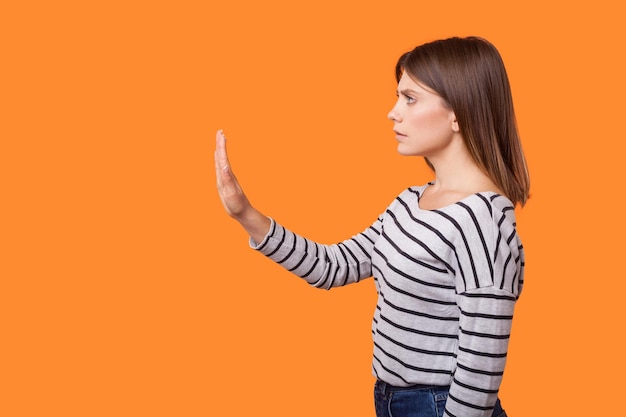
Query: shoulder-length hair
{"points": [[468, 73]]}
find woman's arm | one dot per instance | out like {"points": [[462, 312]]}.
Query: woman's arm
{"points": [[484, 333], [233, 198], [492, 256], [322, 266]]}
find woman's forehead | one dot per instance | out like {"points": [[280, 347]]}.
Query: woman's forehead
{"points": [[408, 82]]}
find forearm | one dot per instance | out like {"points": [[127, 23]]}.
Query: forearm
{"points": [[322, 266]]}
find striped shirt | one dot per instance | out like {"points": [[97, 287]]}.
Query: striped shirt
{"points": [[447, 283]]}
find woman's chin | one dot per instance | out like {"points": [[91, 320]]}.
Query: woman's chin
{"points": [[402, 150]]}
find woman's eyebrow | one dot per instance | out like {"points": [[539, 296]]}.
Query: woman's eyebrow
{"points": [[407, 91]]}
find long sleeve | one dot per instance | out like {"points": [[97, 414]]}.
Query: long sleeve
{"points": [[322, 266], [491, 258], [485, 326]]}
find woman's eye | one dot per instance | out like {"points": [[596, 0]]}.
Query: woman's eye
{"points": [[409, 99]]}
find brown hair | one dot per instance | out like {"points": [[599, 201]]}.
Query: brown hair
{"points": [[468, 73]]}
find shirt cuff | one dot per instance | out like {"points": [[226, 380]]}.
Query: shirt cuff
{"points": [[257, 246]]}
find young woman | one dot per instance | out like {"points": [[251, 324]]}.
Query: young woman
{"points": [[445, 256]]}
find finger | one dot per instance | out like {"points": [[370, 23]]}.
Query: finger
{"points": [[222, 154], [220, 148], [220, 151], [218, 169], [222, 164]]}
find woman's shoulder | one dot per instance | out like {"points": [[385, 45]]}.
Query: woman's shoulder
{"points": [[488, 201], [480, 208], [488, 209]]}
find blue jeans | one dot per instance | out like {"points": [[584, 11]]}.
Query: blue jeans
{"points": [[415, 401]]}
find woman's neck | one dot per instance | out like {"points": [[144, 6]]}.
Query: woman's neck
{"points": [[460, 175]]}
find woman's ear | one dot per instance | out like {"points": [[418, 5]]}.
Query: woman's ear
{"points": [[455, 124]]}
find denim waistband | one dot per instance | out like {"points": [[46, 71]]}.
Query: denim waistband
{"points": [[386, 388]]}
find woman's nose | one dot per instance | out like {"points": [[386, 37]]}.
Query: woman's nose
{"points": [[393, 115]]}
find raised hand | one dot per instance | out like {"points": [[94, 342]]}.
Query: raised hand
{"points": [[233, 198]]}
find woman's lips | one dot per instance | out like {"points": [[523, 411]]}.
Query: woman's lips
{"points": [[399, 135]]}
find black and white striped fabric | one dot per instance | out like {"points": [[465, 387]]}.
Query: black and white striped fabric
{"points": [[447, 283]]}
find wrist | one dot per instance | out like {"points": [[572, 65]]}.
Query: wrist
{"points": [[255, 223]]}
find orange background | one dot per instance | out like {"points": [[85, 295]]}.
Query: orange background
{"points": [[127, 291]]}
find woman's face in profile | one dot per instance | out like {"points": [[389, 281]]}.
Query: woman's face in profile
{"points": [[422, 122]]}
